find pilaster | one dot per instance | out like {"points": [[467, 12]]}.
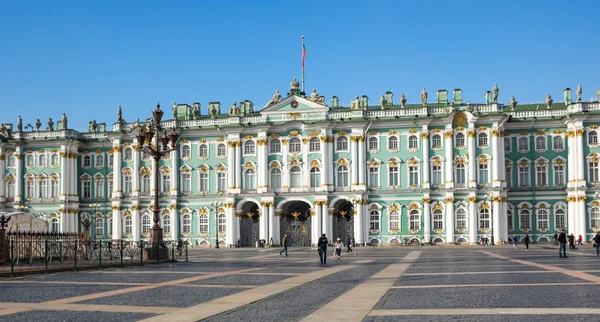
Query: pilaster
{"points": [[285, 178], [263, 214], [425, 147], [117, 176], [238, 166], [496, 182], [426, 218], [263, 166], [136, 170], [2, 174], [315, 229], [496, 216], [362, 183], [229, 224], [19, 174], [174, 221], [231, 168], [135, 222], [117, 220], [274, 223], [449, 218], [175, 173], [472, 179], [359, 215], [473, 219]]}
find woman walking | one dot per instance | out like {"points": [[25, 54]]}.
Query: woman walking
{"points": [[338, 248], [526, 240], [596, 240], [349, 246]]}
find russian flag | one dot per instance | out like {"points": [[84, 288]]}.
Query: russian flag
{"points": [[303, 55]]}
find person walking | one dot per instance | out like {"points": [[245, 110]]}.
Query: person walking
{"points": [[571, 241], [526, 240], [580, 240], [349, 250], [562, 240], [338, 248], [284, 243], [515, 242], [596, 240], [555, 243], [322, 245]]}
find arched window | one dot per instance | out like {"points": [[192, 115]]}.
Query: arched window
{"points": [[374, 220], [250, 179], [145, 186], [146, 224], [12, 160], [10, 187], [99, 161], [342, 143], [373, 143], [558, 143], [221, 150], [483, 140], [461, 218], [186, 151], [275, 146], [559, 219], [87, 161], [54, 225], [413, 143], [393, 143], [203, 151], [540, 143], [54, 160], [42, 161], [128, 154], [484, 218], [275, 178], [128, 225], [249, 147], [436, 141], [315, 177], [595, 217], [525, 219], [314, 145], [592, 137], [203, 220], [438, 219], [414, 220], [295, 177], [523, 144], [394, 220], [542, 219], [295, 145], [459, 140], [461, 172], [186, 223], [222, 221], [99, 227], [342, 177]]}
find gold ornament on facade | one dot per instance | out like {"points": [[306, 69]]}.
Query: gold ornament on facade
{"points": [[570, 134], [579, 132], [305, 140], [261, 141], [581, 198], [294, 115], [426, 201], [472, 199], [249, 165], [438, 206], [459, 119], [571, 199], [294, 133], [540, 132], [116, 208], [314, 163], [413, 131], [504, 199], [314, 134], [449, 200], [595, 203], [495, 132], [393, 132], [425, 135], [471, 133], [284, 141], [448, 134], [361, 138], [414, 206]]}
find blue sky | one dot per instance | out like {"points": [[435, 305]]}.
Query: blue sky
{"points": [[86, 58]]}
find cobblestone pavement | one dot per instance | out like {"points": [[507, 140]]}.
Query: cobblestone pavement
{"points": [[461, 283]]}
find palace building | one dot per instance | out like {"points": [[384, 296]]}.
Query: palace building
{"points": [[443, 171]]}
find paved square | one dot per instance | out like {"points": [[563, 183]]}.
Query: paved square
{"points": [[469, 283]]}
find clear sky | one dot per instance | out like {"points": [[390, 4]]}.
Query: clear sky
{"points": [[86, 58]]}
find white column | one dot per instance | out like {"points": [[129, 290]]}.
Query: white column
{"points": [[285, 169], [330, 182], [117, 176], [581, 218], [2, 174], [327, 220], [425, 147], [354, 162], [504, 219], [326, 164], [174, 222], [472, 157], [229, 224], [64, 182], [450, 219], [263, 166], [274, 224], [136, 170], [571, 213], [358, 222], [238, 166], [426, 219], [135, 222], [117, 220], [580, 157], [231, 168], [315, 230], [175, 173], [495, 159], [449, 164], [361, 166], [473, 219], [19, 175], [496, 217], [262, 221], [572, 175], [305, 165]]}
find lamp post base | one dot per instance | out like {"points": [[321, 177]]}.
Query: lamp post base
{"points": [[156, 249]]}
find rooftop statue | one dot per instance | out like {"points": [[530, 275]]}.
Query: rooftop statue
{"points": [[234, 110], [598, 94], [315, 97], [94, 126], [382, 102], [20, 121], [64, 121], [196, 112], [579, 93], [548, 101], [356, 104], [495, 92], [512, 103], [424, 97], [402, 100], [119, 115], [38, 124], [50, 124], [276, 98], [174, 108]]}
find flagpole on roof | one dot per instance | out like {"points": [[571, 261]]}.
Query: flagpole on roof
{"points": [[303, 56]]}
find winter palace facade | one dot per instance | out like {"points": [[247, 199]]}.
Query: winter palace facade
{"points": [[443, 171]]}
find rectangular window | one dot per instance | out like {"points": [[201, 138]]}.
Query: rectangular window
{"points": [[560, 219], [186, 182], [166, 183], [394, 179], [507, 145], [593, 167], [99, 188], [483, 173], [413, 173], [436, 174], [111, 161], [111, 185], [541, 175], [524, 175], [374, 176], [203, 223], [54, 189], [204, 182], [461, 219], [509, 220], [542, 219], [221, 181], [438, 220], [559, 175], [525, 221], [42, 189], [508, 176], [128, 185], [86, 189]]}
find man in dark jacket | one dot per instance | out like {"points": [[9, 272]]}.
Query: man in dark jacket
{"points": [[284, 243], [562, 240], [571, 241], [322, 245]]}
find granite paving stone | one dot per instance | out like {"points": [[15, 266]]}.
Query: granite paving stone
{"points": [[170, 296], [486, 318], [74, 316], [443, 269], [492, 297], [519, 278], [36, 293], [245, 279], [290, 270], [129, 277]]}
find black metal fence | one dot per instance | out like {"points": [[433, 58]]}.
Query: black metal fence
{"points": [[34, 252]]}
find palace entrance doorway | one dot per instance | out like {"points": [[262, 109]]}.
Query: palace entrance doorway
{"points": [[296, 222], [249, 225], [343, 221]]}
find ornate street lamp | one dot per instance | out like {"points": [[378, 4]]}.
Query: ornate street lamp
{"points": [[160, 136], [491, 199], [215, 207]]}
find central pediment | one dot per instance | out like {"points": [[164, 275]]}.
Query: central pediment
{"points": [[296, 104]]}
